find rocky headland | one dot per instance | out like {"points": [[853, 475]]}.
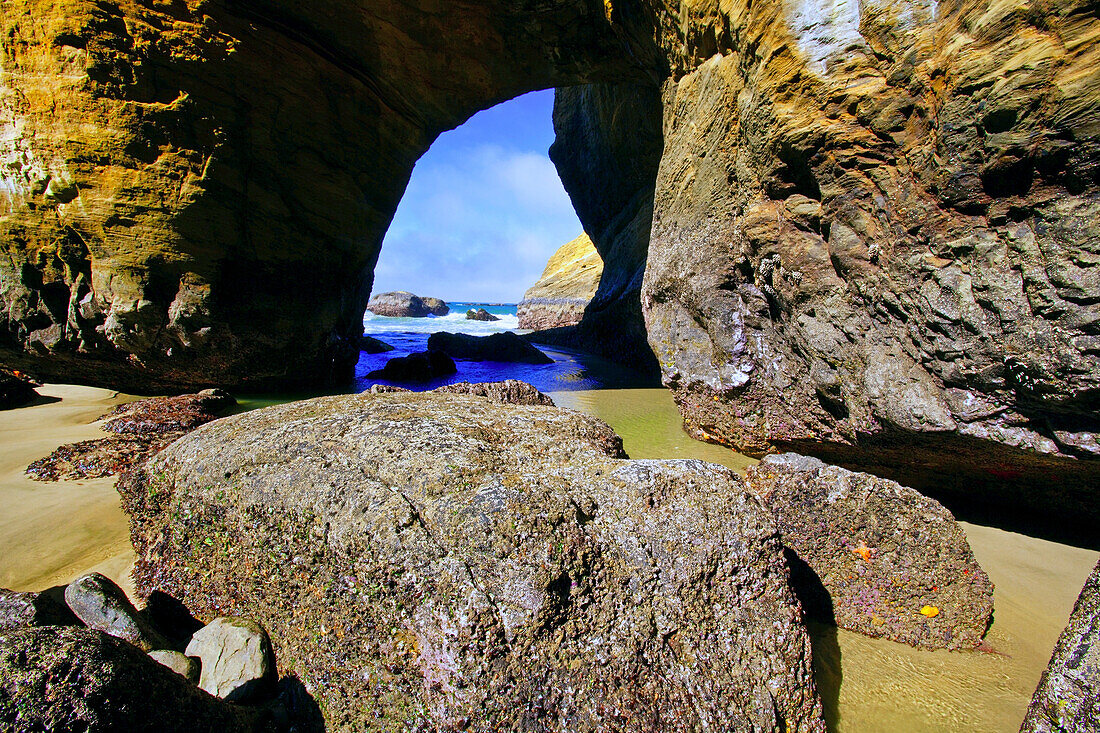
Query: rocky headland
{"points": [[567, 285]]}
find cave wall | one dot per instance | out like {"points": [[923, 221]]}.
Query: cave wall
{"points": [[194, 193]]}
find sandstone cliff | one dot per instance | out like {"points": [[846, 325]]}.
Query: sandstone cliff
{"points": [[865, 230], [568, 283]]}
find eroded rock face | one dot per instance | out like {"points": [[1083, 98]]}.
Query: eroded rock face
{"points": [[441, 560], [567, 285], [872, 556], [1067, 699]]}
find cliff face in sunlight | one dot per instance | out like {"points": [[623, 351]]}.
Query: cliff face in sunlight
{"points": [[866, 229], [568, 283]]}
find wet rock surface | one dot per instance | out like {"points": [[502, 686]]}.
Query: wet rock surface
{"points": [[423, 366], [873, 556], [70, 679], [505, 346], [101, 605], [480, 315], [238, 663], [144, 427], [1067, 699], [441, 560], [401, 304]]}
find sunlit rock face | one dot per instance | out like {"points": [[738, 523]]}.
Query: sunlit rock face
{"points": [[857, 226]]}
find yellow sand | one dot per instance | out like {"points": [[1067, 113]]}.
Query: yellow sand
{"points": [[50, 533]]}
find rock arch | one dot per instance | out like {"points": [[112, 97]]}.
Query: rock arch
{"points": [[872, 227]]}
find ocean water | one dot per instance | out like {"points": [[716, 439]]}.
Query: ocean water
{"points": [[570, 371]]}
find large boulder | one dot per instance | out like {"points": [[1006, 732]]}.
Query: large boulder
{"points": [[873, 556], [504, 346], [238, 663], [76, 679], [1067, 699], [102, 605], [441, 561], [568, 283], [403, 304]]}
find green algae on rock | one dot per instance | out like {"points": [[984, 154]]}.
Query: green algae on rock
{"points": [[442, 560]]}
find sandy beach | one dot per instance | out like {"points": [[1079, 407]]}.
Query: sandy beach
{"points": [[52, 532]]}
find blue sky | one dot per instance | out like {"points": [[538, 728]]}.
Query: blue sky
{"points": [[484, 209]]}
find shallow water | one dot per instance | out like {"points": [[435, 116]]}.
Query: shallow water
{"points": [[872, 685]]}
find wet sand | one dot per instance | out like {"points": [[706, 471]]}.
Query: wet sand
{"points": [[50, 533], [876, 686]]}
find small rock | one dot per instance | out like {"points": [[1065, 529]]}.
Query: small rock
{"points": [[238, 663], [102, 605], [24, 610], [372, 345], [187, 667], [480, 315]]}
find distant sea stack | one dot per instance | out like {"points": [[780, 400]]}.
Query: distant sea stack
{"points": [[402, 304], [567, 284]]}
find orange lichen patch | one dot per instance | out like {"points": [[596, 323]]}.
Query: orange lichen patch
{"points": [[930, 611], [864, 551]]}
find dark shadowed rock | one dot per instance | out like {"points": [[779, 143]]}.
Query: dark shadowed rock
{"points": [[480, 315], [103, 606], [162, 415], [1067, 699], [16, 389], [372, 345], [437, 561], [423, 366], [24, 610], [504, 346], [238, 663], [873, 556], [402, 304], [511, 391], [77, 679]]}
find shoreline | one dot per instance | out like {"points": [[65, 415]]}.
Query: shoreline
{"points": [[54, 532]]}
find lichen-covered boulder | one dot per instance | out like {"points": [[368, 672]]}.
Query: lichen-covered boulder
{"points": [[439, 561], [1067, 699], [77, 679], [874, 556]]}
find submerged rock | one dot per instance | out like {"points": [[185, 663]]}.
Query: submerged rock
{"points": [[238, 663], [440, 561], [103, 606], [78, 679], [480, 315], [568, 283], [873, 556], [422, 366], [505, 346], [402, 304], [372, 345], [1067, 699]]}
